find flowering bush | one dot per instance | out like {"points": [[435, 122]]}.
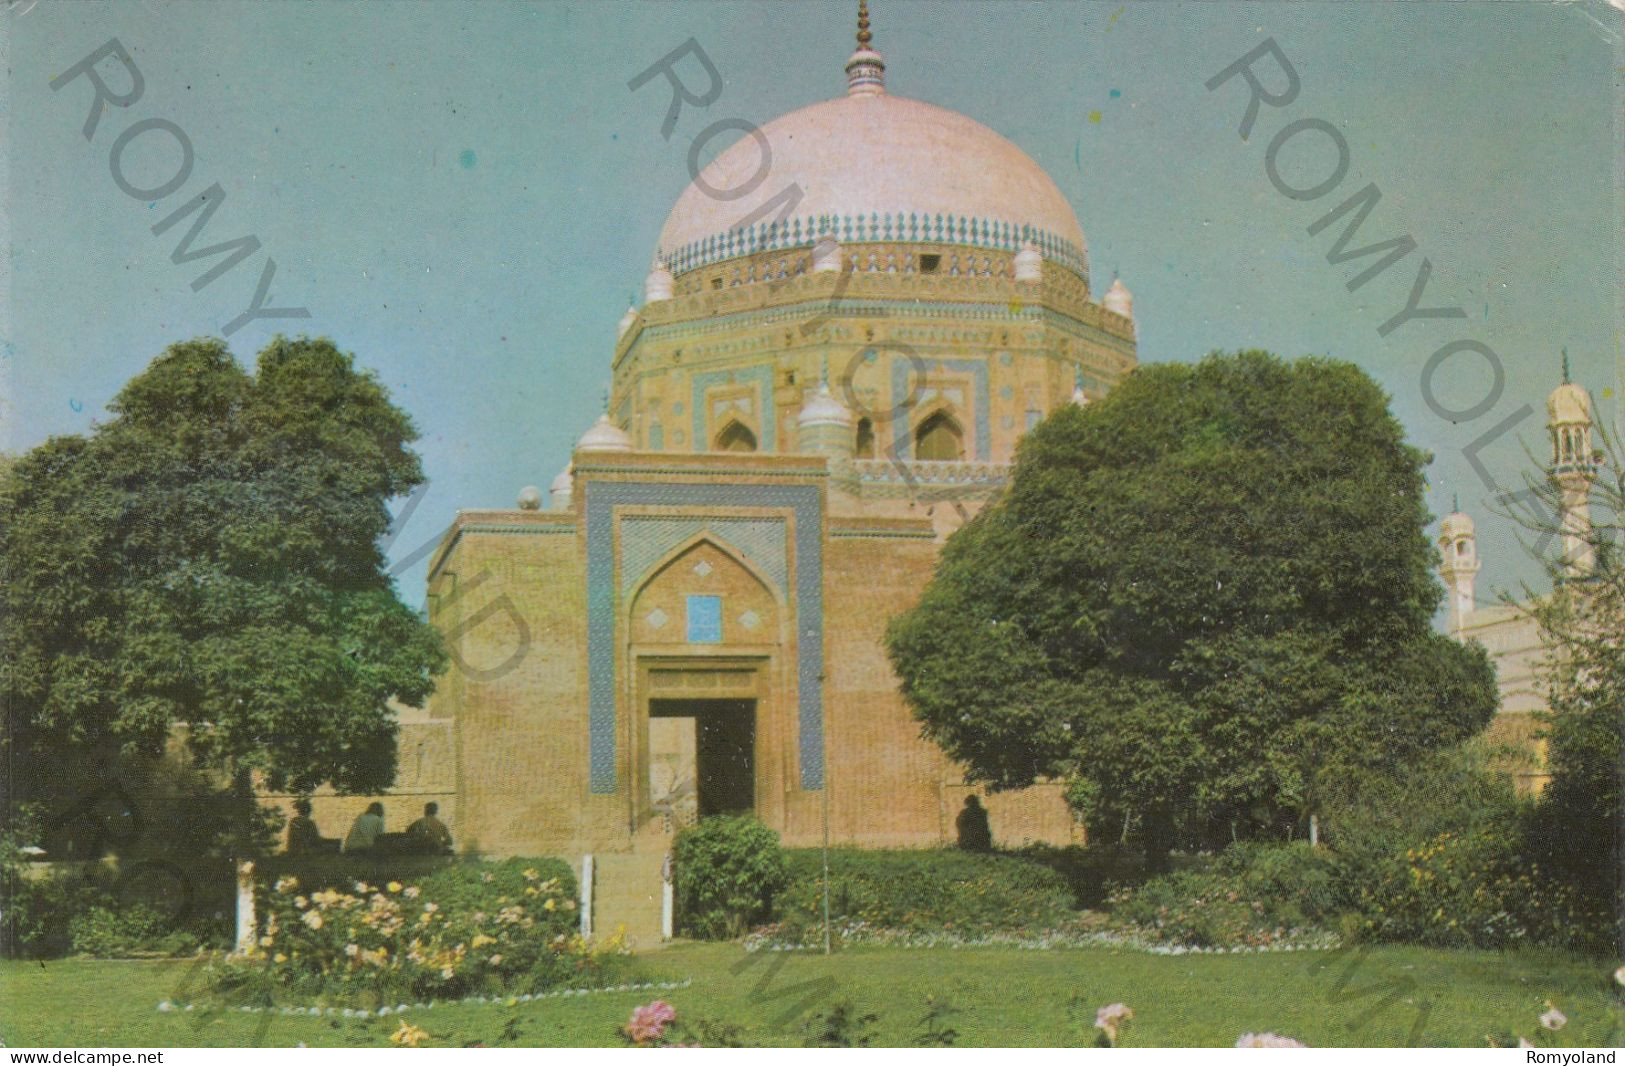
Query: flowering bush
{"points": [[500, 926], [1461, 889]]}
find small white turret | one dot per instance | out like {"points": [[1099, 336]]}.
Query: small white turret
{"points": [[604, 436], [1029, 263], [824, 425], [1119, 300], [658, 285], [826, 255], [560, 493], [1458, 565], [627, 320], [530, 498]]}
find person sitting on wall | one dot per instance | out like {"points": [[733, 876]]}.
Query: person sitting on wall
{"points": [[974, 833], [303, 836], [429, 835], [365, 830]]}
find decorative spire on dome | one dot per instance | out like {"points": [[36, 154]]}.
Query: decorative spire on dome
{"points": [[1566, 380], [866, 70]]}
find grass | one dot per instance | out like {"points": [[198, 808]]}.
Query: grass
{"points": [[999, 996]]}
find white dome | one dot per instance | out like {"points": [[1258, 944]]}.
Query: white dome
{"points": [[604, 436], [872, 166], [562, 490], [530, 498], [1568, 403], [822, 409], [1456, 524]]}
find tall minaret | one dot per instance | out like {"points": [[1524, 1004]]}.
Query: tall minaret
{"points": [[1458, 564], [1574, 468]]}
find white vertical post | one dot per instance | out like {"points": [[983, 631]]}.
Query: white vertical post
{"points": [[1314, 830], [586, 896], [668, 899], [247, 925]]}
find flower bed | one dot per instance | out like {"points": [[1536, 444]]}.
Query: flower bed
{"points": [[471, 929]]}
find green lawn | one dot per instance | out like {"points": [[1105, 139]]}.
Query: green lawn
{"points": [[1000, 996]]}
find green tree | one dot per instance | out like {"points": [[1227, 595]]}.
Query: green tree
{"points": [[206, 565], [1578, 832], [1200, 598]]}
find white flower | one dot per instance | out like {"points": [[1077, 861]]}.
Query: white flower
{"points": [[1267, 1040], [312, 919], [1619, 976], [1553, 1019]]}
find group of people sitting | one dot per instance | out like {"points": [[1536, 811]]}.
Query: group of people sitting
{"points": [[426, 836]]}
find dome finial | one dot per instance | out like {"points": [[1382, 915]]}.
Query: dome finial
{"points": [[1565, 366], [1455, 502], [866, 70]]}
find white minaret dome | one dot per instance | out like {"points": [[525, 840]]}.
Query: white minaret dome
{"points": [[561, 490], [1119, 300], [627, 319], [826, 255], [1029, 263], [1079, 399], [1456, 524], [530, 498], [604, 436], [658, 285], [1569, 404], [823, 409]]}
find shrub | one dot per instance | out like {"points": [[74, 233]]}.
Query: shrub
{"points": [[1254, 895], [507, 926], [1437, 855], [727, 870], [130, 931], [944, 890]]}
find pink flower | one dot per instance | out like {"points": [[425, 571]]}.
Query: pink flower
{"points": [[1267, 1040], [1109, 1019], [648, 1022], [1553, 1019]]}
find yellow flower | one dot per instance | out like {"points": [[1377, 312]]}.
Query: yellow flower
{"points": [[265, 941], [480, 940], [313, 919], [551, 904], [408, 1035], [279, 957], [394, 886], [531, 874]]}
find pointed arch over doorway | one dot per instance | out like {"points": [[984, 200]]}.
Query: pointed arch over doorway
{"points": [[735, 437], [939, 438]]}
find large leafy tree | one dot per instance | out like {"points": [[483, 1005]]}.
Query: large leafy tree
{"points": [[206, 565], [1198, 599], [1579, 827]]}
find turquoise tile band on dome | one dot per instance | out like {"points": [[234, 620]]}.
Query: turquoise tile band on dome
{"points": [[857, 229]]}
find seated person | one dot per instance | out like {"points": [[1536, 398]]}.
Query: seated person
{"points": [[365, 831], [303, 836], [429, 835], [974, 833]]}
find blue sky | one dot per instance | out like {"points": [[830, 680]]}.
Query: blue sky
{"points": [[466, 195]]}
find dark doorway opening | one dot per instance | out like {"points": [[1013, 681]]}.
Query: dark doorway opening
{"points": [[724, 751]]}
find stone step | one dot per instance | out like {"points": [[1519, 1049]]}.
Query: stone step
{"points": [[627, 892]]}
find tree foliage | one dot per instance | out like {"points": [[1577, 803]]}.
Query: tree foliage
{"points": [[206, 564], [1199, 599], [1579, 828]]}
